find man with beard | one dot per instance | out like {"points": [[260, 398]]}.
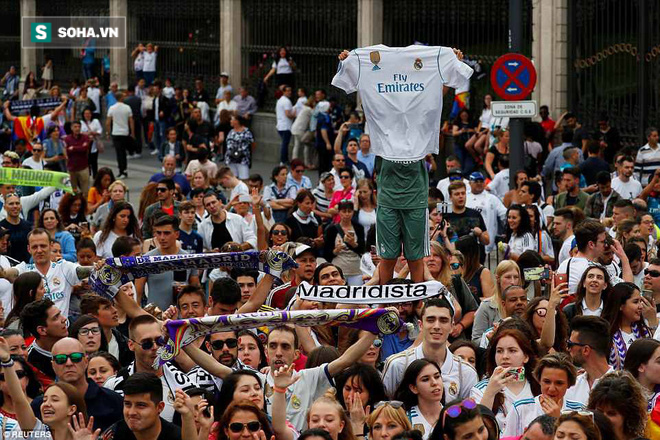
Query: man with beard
{"points": [[625, 184], [572, 195], [589, 347], [169, 171], [436, 323]]}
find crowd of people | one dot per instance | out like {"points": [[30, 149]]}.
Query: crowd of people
{"points": [[559, 341]]}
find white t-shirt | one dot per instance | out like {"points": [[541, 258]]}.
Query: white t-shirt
{"points": [[138, 63], [577, 268], [94, 94], [580, 391], [120, 113], [284, 122], [491, 209], [104, 250], [231, 106], [95, 126], [58, 282], [627, 190], [499, 186], [30, 162], [241, 188], [526, 410], [282, 66], [565, 251], [521, 243], [401, 92], [149, 61], [443, 186]]}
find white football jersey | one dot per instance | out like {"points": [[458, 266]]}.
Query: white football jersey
{"points": [[401, 91], [58, 282]]}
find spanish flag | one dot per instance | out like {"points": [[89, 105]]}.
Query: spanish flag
{"points": [[28, 129]]}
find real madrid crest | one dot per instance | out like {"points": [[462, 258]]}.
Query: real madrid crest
{"points": [[295, 402], [170, 397], [418, 64], [419, 427], [453, 388]]}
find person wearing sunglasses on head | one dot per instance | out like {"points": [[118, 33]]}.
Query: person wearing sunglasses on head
{"points": [[145, 337], [387, 419], [70, 363], [144, 406], [555, 373], [460, 420]]}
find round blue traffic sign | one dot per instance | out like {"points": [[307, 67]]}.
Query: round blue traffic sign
{"points": [[513, 77]]}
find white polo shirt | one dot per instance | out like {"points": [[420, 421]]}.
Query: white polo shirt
{"points": [[312, 384], [580, 391], [58, 282], [526, 410], [458, 376]]}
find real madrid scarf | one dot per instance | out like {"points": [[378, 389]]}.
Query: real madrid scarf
{"points": [[183, 331], [386, 294], [116, 272], [26, 177]]}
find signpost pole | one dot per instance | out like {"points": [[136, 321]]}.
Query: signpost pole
{"points": [[516, 162]]}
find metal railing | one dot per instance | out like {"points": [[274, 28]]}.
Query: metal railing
{"points": [[614, 61], [187, 34], [314, 31]]}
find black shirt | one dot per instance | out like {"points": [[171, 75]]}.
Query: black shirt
{"points": [[464, 223], [18, 242], [591, 167], [220, 235], [121, 431], [105, 405], [41, 360]]}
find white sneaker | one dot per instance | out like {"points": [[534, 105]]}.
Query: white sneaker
{"points": [[130, 156], [154, 152], [137, 156]]}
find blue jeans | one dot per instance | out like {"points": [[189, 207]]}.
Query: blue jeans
{"points": [[466, 159], [284, 147], [88, 71], [149, 77]]}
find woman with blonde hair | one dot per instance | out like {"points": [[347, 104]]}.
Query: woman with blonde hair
{"points": [[387, 419], [327, 413], [491, 309]]}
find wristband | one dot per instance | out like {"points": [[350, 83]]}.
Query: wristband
{"points": [[279, 390], [7, 364]]}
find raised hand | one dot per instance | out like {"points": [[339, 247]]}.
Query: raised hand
{"points": [[343, 55], [357, 412], [205, 420], [283, 377], [182, 403], [5, 354], [82, 431]]}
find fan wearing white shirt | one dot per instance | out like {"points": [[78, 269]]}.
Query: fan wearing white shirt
{"points": [[36, 161], [590, 236], [627, 186], [491, 208], [500, 183], [563, 229], [588, 346]]}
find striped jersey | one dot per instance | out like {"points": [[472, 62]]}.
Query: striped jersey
{"points": [[419, 422], [477, 393], [647, 162], [526, 410]]}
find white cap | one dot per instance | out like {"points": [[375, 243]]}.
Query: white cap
{"points": [[244, 198], [301, 250], [224, 74]]}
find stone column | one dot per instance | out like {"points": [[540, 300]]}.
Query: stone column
{"points": [[119, 56], [370, 22], [28, 56], [550, 54], [231, 27]]}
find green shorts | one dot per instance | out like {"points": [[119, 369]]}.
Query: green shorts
{"points": [[409, 227]]}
